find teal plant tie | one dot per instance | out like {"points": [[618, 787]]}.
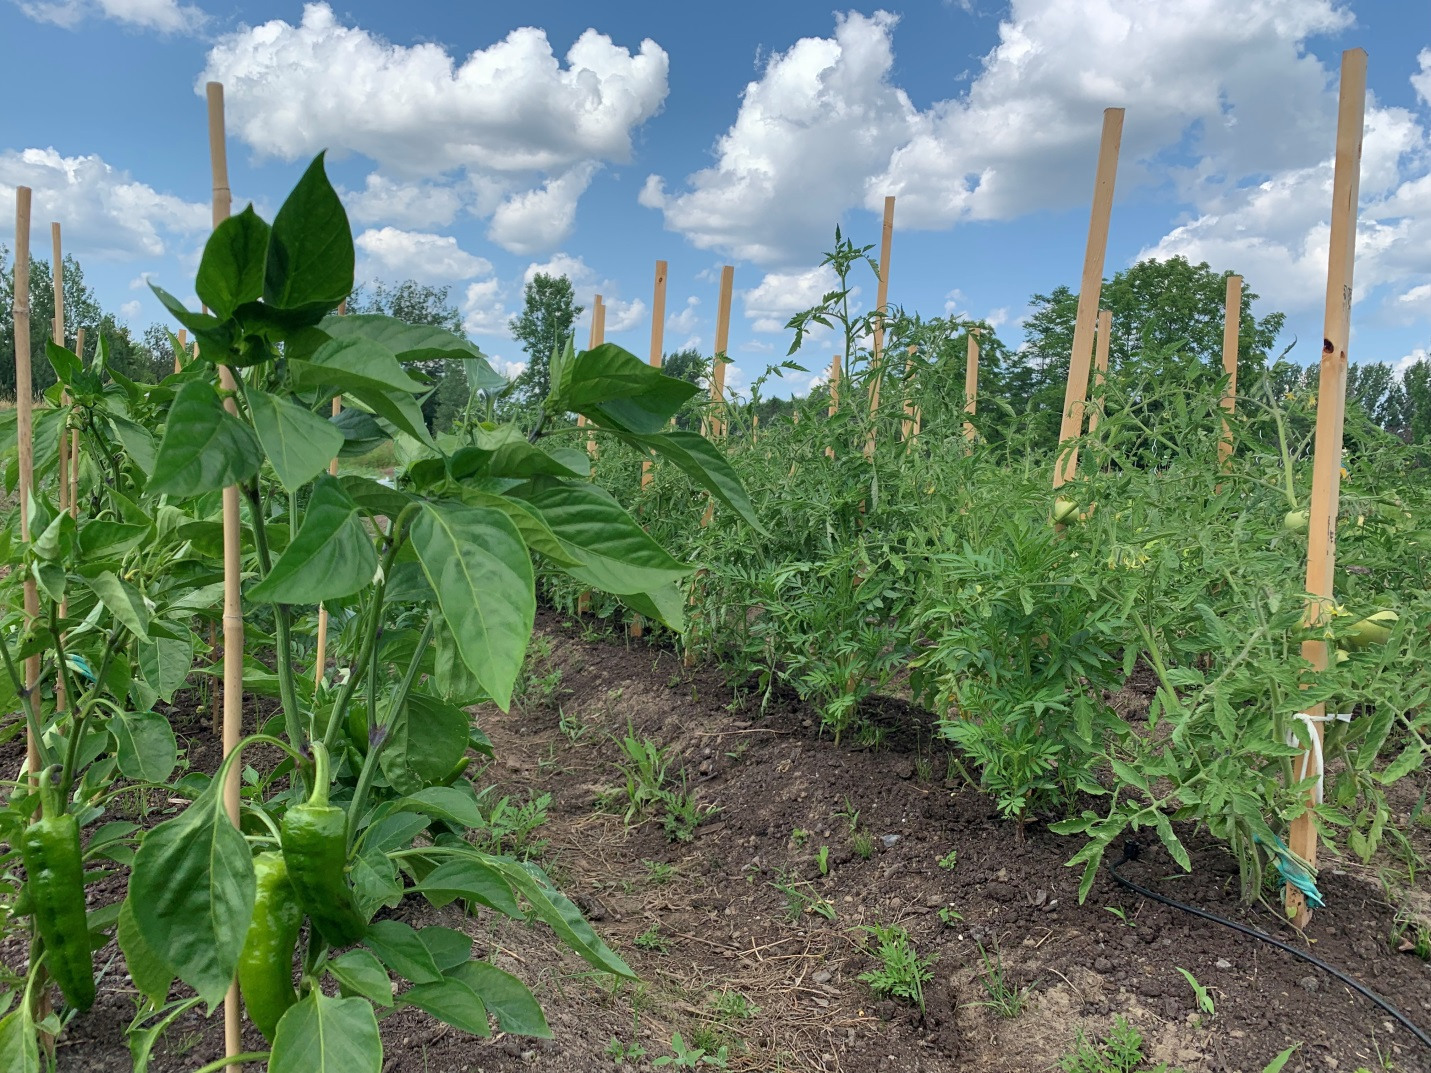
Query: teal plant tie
{"points": [[1294, 874]]}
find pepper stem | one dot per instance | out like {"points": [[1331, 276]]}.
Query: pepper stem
{"points": [[320, 775]]}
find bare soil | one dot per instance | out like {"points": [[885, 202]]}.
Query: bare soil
{"points": [[780, 793]]}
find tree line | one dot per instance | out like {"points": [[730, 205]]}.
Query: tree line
{"points": [[1167, 322]]}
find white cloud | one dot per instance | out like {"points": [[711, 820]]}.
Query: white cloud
{"points": [[130, 310], [166, 16], [417, 205], [561, 264], [529, 130], [1418, 354], [106, 214], [684, 321], [1421, 81], [771, 303], [623, 316], [484, 310], [420, 255], [1219, 92], [542, 218], [821, 119]]}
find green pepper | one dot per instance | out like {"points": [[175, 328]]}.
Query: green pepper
{"points": [[54, 880], [314, 836], [265, 970]]}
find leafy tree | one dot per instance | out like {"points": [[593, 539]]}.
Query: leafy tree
{"points": [[1416, 381], [688, 365], [549, 311], [1165, 312], [82, 310], [420, 303]]}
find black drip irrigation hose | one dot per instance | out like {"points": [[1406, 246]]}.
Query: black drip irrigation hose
{"points": [[1131, 851]]}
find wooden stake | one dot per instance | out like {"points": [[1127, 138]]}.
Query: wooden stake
{"points": [[1231, 324], [183, 349], [971, 383], [834, 395], [320, 653], [722, 343], [1100, 367], [881, 308], [25, 438], [1089, 292], [1331, 411], [658, 331], [583, 599], [57, 334], [233, 563]]}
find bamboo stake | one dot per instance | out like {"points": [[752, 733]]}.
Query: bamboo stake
{"points": [[233, 564], [1331, 411], [722, 344], [1100, 367], [658, 330], [57, 334], [1232, 323], [25, 443], [1089, 292], [881, 308], [971, 383]]}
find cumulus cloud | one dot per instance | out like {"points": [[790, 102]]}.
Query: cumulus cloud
{"points": [[684, 320], [166, 16], [484, 309], [562, 264], [1220, 92], [419, 255], [106, 213], [417, 205], [771, 303], [821, 119], [622, 316], [1419, 354], [542, 218], [130, 310], [523, 130]]}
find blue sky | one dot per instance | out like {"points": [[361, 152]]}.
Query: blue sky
{"points": [[481, 142]]}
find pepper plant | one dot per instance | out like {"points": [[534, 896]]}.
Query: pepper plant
{"points": [[364, 799]]}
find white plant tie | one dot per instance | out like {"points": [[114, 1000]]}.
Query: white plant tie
{"points": [[1316, 749]]}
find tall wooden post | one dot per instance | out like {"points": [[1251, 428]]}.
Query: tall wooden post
{"points": [[834, 395], [1331, 411], [1089, 293], [886, 244], [971, 383], [722, 343], [182, 351], [1100, 367], [233, 562], [320, 648], [25, 440], [1232, 323], [658, 330], [73, 477]]}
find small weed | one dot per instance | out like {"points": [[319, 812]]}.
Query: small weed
{"points": [[949, 860], [1120, 1052], [850, 815], [799, 901], [871, 737], [822, 860], [1202, 994], [1414, 937], [684, 1057], [799, 837], [902, 973], [623, 1052], [510, 826], [1004, 998], [659, 873], [862, 842], [683, 815], [1121, 915], [644, 767], [950, 916], [738, 753], [923, 769], [651, 939], [733, 1006], [571, 726]]}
